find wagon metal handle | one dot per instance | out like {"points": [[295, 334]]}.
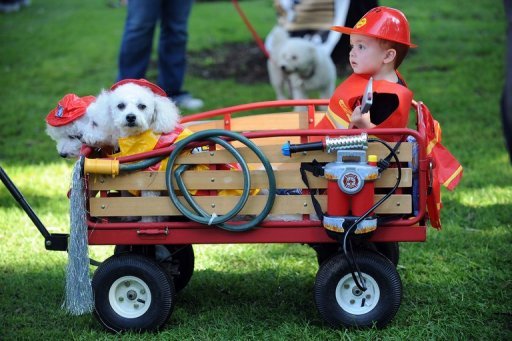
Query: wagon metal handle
{"points": [[430, 176], [153, 232]]}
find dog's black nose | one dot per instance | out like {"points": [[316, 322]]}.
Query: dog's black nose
{"points": [[130, 118], [64, 155]]}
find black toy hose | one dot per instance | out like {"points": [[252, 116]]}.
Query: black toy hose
{"points": [[359, 280]]}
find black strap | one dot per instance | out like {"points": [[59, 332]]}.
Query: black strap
{"points": [[383, 164], [317, 170]]}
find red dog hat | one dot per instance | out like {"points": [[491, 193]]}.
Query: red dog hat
{"points": [[142, 82], [70, 108]]}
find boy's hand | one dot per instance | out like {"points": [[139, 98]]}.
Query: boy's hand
{"points": [[360, 120]]}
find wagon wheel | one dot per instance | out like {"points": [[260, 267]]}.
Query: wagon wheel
{"points": [[176, 260], [132, 292], [390, 250], [325, 251], [342, 304]]}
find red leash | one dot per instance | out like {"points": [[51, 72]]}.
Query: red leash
{"points": [[258, 40]]}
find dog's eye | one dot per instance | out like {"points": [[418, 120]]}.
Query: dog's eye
{"points": [[94, 124], [121, 106], [75, 137], [294, 57], [141, 106]]}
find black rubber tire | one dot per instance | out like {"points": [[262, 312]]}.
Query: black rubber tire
{"points": [[381, 307], [177, 260], [181, 264], [325, 251], [113, 309], [390, 250]]}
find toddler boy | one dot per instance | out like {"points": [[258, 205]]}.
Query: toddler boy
{"points": [[379, 43]]}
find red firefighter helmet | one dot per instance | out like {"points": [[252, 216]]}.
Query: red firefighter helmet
{"points": [[382, 22]]}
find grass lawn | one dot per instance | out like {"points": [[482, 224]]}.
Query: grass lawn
{"points": [[457, 285]]}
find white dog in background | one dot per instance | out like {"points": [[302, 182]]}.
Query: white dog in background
{"points": [[298, 66]]}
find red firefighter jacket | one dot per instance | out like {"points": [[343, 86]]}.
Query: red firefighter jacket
{"points": [[348, 95], [446, 171]]}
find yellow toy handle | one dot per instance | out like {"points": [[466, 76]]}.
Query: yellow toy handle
{"points": [[101, 166]]}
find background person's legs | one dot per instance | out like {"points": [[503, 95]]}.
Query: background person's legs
{"points": [[172, 49], [137, 40]]}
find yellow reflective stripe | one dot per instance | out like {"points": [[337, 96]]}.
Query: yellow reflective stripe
{"points": [[185, 133], [345, 107], [436, 139], [431, 146], [453, 176], [335, 120]]}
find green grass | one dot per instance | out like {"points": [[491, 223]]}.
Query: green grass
{"points": [[457, 285]]}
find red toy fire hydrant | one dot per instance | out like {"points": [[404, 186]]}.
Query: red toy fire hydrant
{"points": [[350, 190]]}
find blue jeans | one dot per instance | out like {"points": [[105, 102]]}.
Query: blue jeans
{"points": [[137, 41]]}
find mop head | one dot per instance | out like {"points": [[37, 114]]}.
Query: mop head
{"points": [[79, 298]]}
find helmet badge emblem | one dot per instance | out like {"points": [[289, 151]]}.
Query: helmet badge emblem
{"points": [[361, 23]]}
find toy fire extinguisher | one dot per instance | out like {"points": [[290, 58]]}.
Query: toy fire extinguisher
{"points": [[351, 187]]}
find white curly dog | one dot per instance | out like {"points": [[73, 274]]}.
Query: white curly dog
{"points": [[298, 67], [129, 108]]}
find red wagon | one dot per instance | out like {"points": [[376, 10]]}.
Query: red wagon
{"points": [[268, 198]]}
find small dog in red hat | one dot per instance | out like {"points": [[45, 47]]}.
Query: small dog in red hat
{"points": [[66, 123], [132, 117], [129, 108]]}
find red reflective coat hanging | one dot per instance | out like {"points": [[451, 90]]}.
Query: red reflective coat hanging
{"points": [[446, 170]]}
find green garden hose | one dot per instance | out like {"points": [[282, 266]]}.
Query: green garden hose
{"points": [[130, 167], [200, 215], [204, 217]]}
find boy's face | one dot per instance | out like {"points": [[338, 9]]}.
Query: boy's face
{"points": [[366, 54]]}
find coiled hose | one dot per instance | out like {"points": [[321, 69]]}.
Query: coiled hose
{"points": [[200, 215], [143, 164]]}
